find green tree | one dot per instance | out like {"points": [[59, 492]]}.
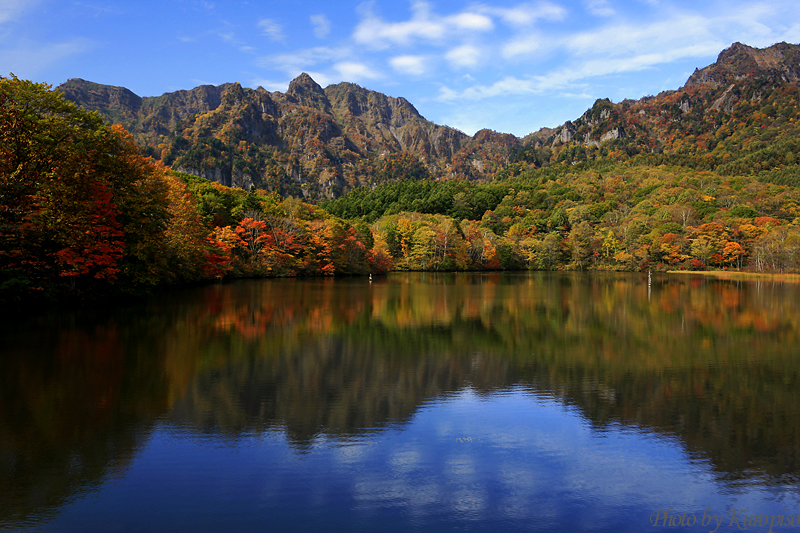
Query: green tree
{"points": [[548, 251], [580, 242]]}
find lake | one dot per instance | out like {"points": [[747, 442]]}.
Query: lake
{"points": [[423, 402]]}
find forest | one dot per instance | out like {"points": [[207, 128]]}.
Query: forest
{"points": [[84, 213]]}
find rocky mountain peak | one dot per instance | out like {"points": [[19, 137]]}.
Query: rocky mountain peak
{"points": [[233, 94], [304, 84], [304, 90]]}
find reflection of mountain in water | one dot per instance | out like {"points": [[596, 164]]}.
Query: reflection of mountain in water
{"points": [[329, 386], [709, 362]]}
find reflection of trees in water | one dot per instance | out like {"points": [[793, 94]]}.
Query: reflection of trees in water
{"points": [[712, 363], [74, 406]]}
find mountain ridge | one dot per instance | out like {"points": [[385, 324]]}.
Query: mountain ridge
{"points": [[317, 143], [310, 142]]}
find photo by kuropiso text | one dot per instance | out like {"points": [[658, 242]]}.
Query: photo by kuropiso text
{"points": [[732, 519]]}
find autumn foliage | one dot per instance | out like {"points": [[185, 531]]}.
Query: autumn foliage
{"points": [[84, 213]]}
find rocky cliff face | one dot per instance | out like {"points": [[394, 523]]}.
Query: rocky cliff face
{"points": [[117, 103]]}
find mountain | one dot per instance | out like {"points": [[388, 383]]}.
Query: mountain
{"points": [[319, 143], [309, 142]]}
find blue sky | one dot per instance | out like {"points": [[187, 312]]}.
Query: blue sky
{"points": [[511, 66]]}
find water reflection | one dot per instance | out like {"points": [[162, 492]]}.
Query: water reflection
{"points": [[709, 366]]}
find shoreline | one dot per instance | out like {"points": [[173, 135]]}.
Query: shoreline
{"points": [[736, 275]]}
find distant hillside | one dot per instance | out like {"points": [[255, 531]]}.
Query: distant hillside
{"points": [[781, 60], [737, 116]]}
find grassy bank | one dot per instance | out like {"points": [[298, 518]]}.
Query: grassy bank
{"points": [[735, 275]]}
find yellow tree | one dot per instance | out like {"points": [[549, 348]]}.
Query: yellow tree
{"points": [[405, 231], [423, 247]]}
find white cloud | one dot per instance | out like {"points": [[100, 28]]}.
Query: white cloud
{"points": [[509, 85], [758, 24], [409, 64], [632, 63], [525, 15], [271, 29], [464, 56], [321, 78], [11, 9], [569, 77], [322, 26], [270, 85], [621, 39], [755, 24], [325, 65], [599, 8], [790, 35], [470, 21], [96, 10], [423, 26], [578, 73], [301, 60], [548, 53], [374, 32], [521, 46], [351, 71]]}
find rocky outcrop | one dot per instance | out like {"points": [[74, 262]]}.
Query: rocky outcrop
{"points": [[565, 134], [539, 137], [740, 72], [724, 102], [613, 134]]}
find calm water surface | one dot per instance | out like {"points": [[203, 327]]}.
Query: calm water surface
{"points": [[425, 402]]}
